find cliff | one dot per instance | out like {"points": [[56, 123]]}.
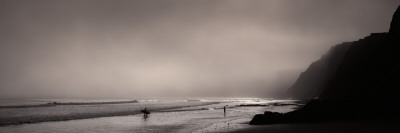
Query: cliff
{"points": [[361, 83], [312, 81]]}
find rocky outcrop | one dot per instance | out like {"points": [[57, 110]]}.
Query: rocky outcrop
{"points": [[325, 111], [364, 85]]}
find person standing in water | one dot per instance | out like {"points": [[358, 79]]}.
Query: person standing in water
{"points": [[145, 112], [224, 110]]}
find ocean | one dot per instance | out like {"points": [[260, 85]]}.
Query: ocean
{"points": [[108, 115]]}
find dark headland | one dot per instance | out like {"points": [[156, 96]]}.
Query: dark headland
{"points": [[354, 81]]}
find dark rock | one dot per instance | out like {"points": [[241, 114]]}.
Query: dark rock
{"points": [[266, 118], [258, 119]]}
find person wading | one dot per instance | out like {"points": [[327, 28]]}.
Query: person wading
{"points": [[224, 110]]}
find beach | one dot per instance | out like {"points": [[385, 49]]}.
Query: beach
{"points": [[167, 115]]}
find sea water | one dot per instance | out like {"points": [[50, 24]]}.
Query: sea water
{"points": [[192, 117]]}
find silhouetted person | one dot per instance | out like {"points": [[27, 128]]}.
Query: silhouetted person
{"points": [[145, 112], [224, 110]]}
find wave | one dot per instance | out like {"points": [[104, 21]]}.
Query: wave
{"points": [[50, 104], [193, 100]]}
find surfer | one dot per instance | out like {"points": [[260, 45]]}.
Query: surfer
{"points": [[145, 112]]}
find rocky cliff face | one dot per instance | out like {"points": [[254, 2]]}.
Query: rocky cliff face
{"points": [[355, 69], [312, 81], [363, 83], [370, 70]]}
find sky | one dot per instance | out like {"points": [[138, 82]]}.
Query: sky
{"points": [[172, 48]]}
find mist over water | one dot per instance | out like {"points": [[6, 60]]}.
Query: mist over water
{"points": [[116, 49]]}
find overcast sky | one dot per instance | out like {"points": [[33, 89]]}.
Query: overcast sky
{"points": [[127, 48]]}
